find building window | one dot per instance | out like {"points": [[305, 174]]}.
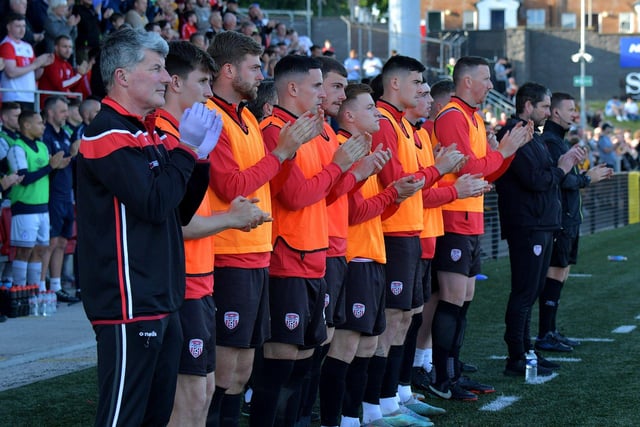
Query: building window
{"points": [[625, 22], [435, 21], [469, 20], [568, 20], [535, 18]]}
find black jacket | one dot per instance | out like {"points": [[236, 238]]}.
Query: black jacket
{"points": [[553, 135], [528, 192], [130, 186]]}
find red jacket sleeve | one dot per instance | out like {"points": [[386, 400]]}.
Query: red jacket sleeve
{"points": [[361, 209]]}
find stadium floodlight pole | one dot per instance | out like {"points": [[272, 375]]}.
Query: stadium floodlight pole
{"points": [[583, 57]]}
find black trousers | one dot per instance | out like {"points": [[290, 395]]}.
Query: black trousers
{"points": [[529, 256]]}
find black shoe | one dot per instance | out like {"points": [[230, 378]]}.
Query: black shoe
{"points": [[79, 294], [565, 340], [551, 343], [63, 296], [420, 378], [474, 386], [3, 318], [246, 408], [459, 393], [546, 363], [517, 368], [466, 367], [440, 390]]}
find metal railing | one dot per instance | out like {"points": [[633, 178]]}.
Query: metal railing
{"points": [[499, 103], [37, 93], [609, 204]]}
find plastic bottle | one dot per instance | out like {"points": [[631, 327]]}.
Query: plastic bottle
{"points": [[54, 302], [33, 305], [46, 303], [42, 306], [531, 369], [617, 258]]}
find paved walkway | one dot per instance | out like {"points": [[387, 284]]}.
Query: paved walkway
{"points": [[37, 348]]}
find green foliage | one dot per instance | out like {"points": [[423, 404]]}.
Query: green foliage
{"points": [[587, 392]]}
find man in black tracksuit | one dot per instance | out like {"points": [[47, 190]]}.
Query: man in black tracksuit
{"points": [[565, 246], [530, 209]]}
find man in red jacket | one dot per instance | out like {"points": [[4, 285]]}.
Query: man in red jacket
{"points": [[60, 75]]}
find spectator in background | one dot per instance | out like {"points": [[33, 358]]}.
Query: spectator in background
{"points": [[301, 44], [22, 68], [215, 24], [352, 64], [630, 109], [279, 34], [315, 51], [202, 8], [61, 209], [9, 132], [606, 148], [90, 28], [37, 14], [136, 16], [88, 110], [372, 65], [60, 75], [189, 26], [229, 22], [30, 158], [501, 75], [199, 40], [60, 21], [614, 108], [20, 7]]}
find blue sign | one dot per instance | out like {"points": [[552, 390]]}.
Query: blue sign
{"points": [[630, 52]]}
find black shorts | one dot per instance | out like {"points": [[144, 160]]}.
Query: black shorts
{"points": [[403, 257], [424, 279], [565, 248], [334, 299], [198, 319], [61, 217], [458, 253], [297, 311], [364, 298], [242, 306]]}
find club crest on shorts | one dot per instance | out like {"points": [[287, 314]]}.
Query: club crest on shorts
{"points": [[537, 250], [358, 310], [196, 346], [456, 254], [292, 320], [231, 319], [327, 299], [396, 287]]}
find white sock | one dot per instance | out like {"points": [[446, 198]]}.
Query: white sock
{"points": [[370, 412], [349, 422], [388, 405], [419, 357], [43, 286], [427, 363], [404, 393], [19, 272], [34, 271], [54, 284]]}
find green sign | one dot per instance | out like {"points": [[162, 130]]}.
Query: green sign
{"points": [[580, 81]]}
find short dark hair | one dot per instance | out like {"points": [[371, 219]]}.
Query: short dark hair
{"points": [[61, 37], [353, 90], [376, 87], [184, 57], [402, 63], [442, 87], [464, 64], [330, 65], [51, 101], [25, 116], [532, 92], [14, 17], [294, 64], [266, 94], [8, 106], [558, 97]]}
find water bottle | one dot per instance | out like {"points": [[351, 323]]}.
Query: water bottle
{"points": [[617, 258], [531, 369], [42, 306], [33, 304], [46, 303], [54, 302]]}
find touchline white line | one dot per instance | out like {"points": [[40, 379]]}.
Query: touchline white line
{"points": [[624, 329], [500, 403]]}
